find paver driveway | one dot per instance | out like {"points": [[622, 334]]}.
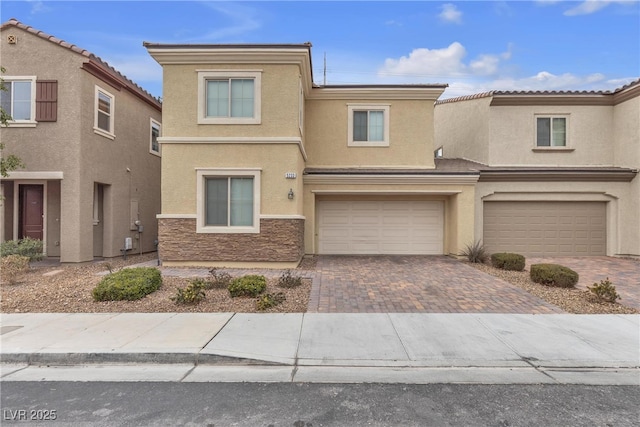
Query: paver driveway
{"points": [[622, 272], [414, 284]]}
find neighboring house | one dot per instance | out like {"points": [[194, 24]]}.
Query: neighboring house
{"points": [[88, 138], [260, 166], [558, 170]]}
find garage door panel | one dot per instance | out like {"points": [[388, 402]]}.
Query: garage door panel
{"points": [[545, 228], [381, 227]]}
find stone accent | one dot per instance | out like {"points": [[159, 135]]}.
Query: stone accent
{"points": [[279, 240]]}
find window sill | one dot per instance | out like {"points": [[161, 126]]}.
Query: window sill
{"points": [[155, 153], [368, 143], [551, 149], [229, 121], [104, 133], [227, 230], [21, 124]]}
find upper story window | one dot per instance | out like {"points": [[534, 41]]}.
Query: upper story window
{"points": [[154, 145], [19, 100], [229, 97], [551, 131], [368, 125], [228, 201], [104, 113]]}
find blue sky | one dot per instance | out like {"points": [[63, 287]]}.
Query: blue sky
{"points": [[474, 46]]}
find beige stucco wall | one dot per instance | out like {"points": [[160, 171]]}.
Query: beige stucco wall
{"points": [[513, 136], [279, 107], [462, 129], [411, 142], [70, 146]]}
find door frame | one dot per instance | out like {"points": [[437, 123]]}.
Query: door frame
{"points": [[16, 212]]}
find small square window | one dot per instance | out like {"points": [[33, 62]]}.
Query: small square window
{"points": [[551, 131], [104, 113], [368, 125], [19, 100], [154, 147], [229, 97]]}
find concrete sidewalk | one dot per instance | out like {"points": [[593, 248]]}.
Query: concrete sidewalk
{"points": [[319, 347]]}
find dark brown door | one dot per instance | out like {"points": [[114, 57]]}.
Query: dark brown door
{"points": [[31, 212]]}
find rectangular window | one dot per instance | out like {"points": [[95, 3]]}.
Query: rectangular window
{"points": [[154, 147], [229, 97], [368, 125], [551, 132], [19, 99], [104, 113], [228, 201]]}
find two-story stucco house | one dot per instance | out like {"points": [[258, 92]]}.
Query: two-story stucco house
{"points": [[88, 138], [260, 166], [558, 170]]}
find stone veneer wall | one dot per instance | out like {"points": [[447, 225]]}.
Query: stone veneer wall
{"points": [[279, 240]]}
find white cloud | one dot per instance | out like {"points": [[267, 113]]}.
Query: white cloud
{"points": [[450, 13], [587, 7], [242, 19], [38, 6]]}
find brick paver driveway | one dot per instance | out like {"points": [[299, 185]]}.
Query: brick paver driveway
{"points": [[623, 273], [416, 284]]}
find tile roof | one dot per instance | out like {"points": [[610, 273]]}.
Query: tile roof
{"points": [[72, 47]]}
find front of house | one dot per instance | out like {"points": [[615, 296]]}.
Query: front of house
{"points": [[260, 166]]}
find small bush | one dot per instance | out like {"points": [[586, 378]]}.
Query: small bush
{"points": [[13, 266], [554, 275], [475, 253], [267, 301], [249, 286], [605, 291], [508, 261], [287, 280], [218, 280], [31, 248], [128, 284], [192, 294]]}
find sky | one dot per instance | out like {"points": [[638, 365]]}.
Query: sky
{"points": [[473, 46]]}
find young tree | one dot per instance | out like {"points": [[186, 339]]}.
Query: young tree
{"points": [[10, 162]]}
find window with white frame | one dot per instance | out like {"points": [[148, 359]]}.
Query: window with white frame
{"points": [[551, 131], [229, 97], [104, 113], [228, 201], [368, 125], [19, 100], [154, 147]]}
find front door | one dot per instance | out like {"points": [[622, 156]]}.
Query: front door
{"points": [[31, 212]]}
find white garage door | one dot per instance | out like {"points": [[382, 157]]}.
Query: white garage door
{"points": [[546, 228], [381, 227]]}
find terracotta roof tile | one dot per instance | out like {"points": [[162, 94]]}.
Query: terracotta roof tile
{"points": [[465, 97]]}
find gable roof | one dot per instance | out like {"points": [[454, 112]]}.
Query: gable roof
{"points": [[95, 65]]}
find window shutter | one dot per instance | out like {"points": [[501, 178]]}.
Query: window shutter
{"points": [[46, 100]]}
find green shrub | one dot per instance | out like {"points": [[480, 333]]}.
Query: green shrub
{"points": [[605, 291], [218, 280], [31, 248], [554, 275], [249, 286], [128, 284], [508, 261], [266, 301], [13, 266], [287, 280], [475, 253], [192, 294]]}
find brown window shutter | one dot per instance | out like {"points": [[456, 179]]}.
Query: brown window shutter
{"points": [[46, 100]]}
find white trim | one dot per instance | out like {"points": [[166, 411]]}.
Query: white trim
{"points": [[201, 175], [32, 112], [45, 175], [390, 179], [385, 108], [96, 202], [159, 125], [204, 75], [282, 217], [16, 206], [390, 193], [235, 140], [176, 216], [112, 113], [300, 107], [376, 93]]}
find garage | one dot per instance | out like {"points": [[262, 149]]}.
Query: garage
{"points": [[381, 227], [546, 228]]}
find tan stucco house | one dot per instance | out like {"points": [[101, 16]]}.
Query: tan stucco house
{"points": [[88, 138], [558, 170], [261, 166]]}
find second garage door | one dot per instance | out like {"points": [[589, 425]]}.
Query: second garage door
{"points": [[381, 227], [545, 228]]}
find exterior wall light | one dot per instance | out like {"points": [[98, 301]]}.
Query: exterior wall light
{"points": [[290, 195]]}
